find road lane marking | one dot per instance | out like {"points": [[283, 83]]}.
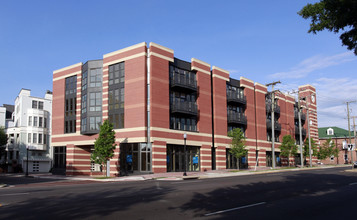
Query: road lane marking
{"points": [[353, 183], [14, 194], [188, 181], [233, 209]]}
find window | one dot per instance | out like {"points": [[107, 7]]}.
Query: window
{"points": [[30, 121], [330, 131], [45, 139], [84, 103], [95, 77], [71, 85], [182, 123], [34, 104], [95, 101], [40, 105], [116, 73], [84, 80], [94, 123], [116, 94], [35, 121], [40, 138], [40, 121], [45, 122], [29, 138], [84, 124], [34, 138]]}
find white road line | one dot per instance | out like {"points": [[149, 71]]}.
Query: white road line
{"points": [[352, 184], [188, 181], [229, 210], [14, 194]]}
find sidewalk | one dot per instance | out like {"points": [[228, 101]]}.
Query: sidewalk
{"points": [[176, 176]]}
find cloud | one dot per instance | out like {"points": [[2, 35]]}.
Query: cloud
{"points": [[314, 63], [332, 95]]}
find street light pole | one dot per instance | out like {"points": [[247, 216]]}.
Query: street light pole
{"points": [[185, 153]]}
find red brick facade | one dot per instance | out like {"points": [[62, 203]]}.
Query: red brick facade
{"points": [[211, 113]]}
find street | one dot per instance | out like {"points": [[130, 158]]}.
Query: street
{"points": [[307, 194]]}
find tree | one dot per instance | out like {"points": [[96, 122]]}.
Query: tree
{"points": [[104, 145], [335, 16], [238, 144], [306, 148], [288, 147], [328, 149], [3, 141]]}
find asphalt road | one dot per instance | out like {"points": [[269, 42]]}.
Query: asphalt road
{"points": [[309, 194]]}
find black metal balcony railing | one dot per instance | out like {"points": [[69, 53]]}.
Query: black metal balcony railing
{"points": [[179, 80], [296, 115], [277, 125], [184, 108], [234, 96], [303, 130], [276, 108], [236, 118]]}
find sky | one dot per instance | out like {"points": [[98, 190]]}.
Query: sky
{"points": [[264, 41]]}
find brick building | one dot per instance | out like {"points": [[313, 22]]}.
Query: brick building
{"points": [[153, 99], [340, 137]]}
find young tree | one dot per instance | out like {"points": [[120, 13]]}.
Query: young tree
{"points": [[306, 148], [3, 141], [105, 145], [327, 149], [238, 144], [336, 16], [288, 147]]}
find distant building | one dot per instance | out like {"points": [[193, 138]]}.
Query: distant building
{"points": [[30, 128], [341, 139]]}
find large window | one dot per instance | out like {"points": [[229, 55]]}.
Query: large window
{"points": [[183, 123], [94, 123], [95, 77], [40, 105], [84, 103], [35, 121], [40, 121], [34, 104], [84, 80], [70, 104], [116, 94], [95, 101], [34, 138]]}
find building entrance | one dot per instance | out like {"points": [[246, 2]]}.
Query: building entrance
{"points": [[134, 158], [59, 160], [176, 158]]}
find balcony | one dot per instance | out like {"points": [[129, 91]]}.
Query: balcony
{"points": [[236, 118], [183, 81], [188, 108], [303, 131], [235, 97], [276, 108], [296, 115], [277, 126]]}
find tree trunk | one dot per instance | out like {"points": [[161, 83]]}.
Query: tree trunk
{"points": [[238, 163]]}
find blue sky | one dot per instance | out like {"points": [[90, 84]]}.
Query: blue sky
{"points": [[261, 40]]}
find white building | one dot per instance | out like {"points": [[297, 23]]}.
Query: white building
{"points": [[31, 128]]}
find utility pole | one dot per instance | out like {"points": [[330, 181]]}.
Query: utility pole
{"points": [[349, 128], [354, 133], [272, 122], [308, 129], [300, 131]]}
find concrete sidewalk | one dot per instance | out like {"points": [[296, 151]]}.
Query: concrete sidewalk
{"points": [[176, 176]]}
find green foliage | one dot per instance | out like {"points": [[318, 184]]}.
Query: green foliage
{"points": [[104, 146], [288, 147], [238, 143], [327, 149], [3, 141], [335, 16], [313, 148]]}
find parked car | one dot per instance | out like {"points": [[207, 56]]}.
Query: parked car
{"points": [[355, 164]]}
